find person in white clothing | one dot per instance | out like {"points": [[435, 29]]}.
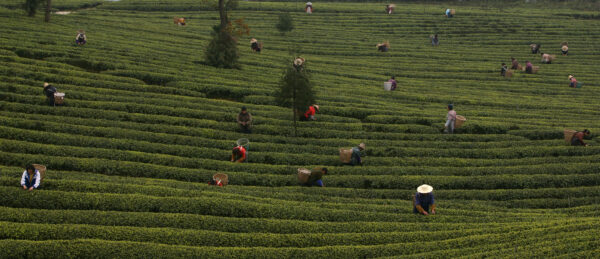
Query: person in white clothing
{"points": [[31, 178]]}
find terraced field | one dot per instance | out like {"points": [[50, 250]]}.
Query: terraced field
{"points": [[147, 124]]}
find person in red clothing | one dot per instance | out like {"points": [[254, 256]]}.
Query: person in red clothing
{"points": [[310, 113], [238, 154], [577, 139]]}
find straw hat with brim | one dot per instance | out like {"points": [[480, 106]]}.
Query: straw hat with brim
{"points": [[362, 146], [424, 189]]}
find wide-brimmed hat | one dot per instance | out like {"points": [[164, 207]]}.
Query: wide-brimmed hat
{"points": [[424, 189], [253, 40], [570, 76], [362, 146]]}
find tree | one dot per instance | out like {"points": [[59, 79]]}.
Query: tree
{"points": [[48, 8], [285, 23], [222, 51], [31, 6], [295, 90]]}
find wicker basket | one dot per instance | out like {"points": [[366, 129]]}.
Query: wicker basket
{"points": [[303, 175], [345, 155], [459, 121], [41, 169], [569, 135], [221, 177]]}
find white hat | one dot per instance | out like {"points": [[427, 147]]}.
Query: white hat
{"points": [[424, 189]]}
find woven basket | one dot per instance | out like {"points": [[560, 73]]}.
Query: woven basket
{"points": [[569, 135], [303, 175], [345, 155], [41, 169], [222, 177], [459, 121]]}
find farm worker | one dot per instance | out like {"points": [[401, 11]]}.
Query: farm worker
{"points": [[435, 41], [244, 119], [577, 139], [573, 81], [515, 63], [394, 83], [31, 178], [528, 67], [356, 158], [390, 8], [238, 154], [383, 47], [423, 201], [255, 45], [503, 70], [49, 91], [450, 119], [316, 177], [449, 13], [309, 8], [546, 58], [310, 113], [80, 39], [564, 48], [535, 48]]}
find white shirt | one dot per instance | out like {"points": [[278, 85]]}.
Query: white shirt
{"points": [[37, 179]]}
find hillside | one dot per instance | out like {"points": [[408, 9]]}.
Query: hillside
{"points": [[146, 124]]}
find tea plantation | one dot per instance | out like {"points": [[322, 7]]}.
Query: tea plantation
{"points": [[146, 124]]}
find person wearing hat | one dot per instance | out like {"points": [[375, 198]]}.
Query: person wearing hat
{"points": [[577, 139], [238, 154], [49, 91], [572, 81], [389, 8], [255, 45], [80, 39], [309, 8], [31, 178], [423, 201], [356, 158], [450, 119], [316, 177], [310, 113], [546, 58], [244, 119], [535, 48]]}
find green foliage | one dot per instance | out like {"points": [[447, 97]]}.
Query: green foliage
{"points": [[222, 51], [285, 24], [31, 6]]}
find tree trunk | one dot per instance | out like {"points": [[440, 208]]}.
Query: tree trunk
{"points": [[48, 8], [222, 14]]}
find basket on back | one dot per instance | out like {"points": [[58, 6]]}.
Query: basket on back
{"points": [[221, 177], [303, 175], [345, 155], [569, 135], [459, 121], [41, 169]]}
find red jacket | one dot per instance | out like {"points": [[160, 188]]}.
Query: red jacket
{"points": [[311, 111]]}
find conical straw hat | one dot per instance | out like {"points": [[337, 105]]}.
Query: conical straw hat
{"points": [[424, 189]]}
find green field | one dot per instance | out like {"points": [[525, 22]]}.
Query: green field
{"points": [[147, 123]]}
